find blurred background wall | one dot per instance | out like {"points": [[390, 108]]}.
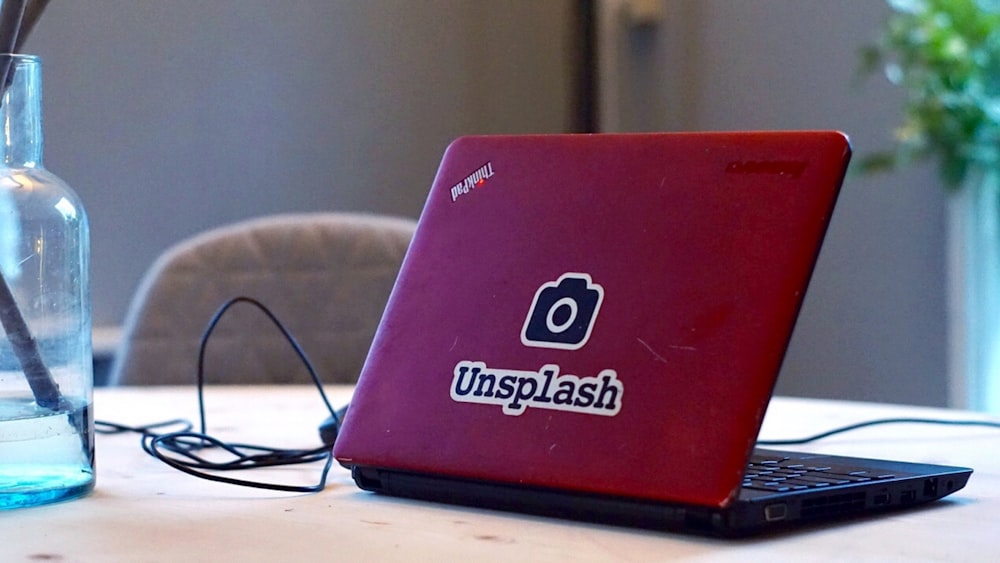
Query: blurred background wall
{"points": [[173, 117], [874, 323]]}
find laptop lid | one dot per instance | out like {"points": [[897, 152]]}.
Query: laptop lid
{"points": [[597, 313]]}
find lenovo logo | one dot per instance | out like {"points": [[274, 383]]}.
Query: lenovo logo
{"points": [[788, 168]]}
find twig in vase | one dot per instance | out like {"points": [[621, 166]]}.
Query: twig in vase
{"points": [[43, 385]]}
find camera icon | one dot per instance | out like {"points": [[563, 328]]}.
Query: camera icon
{"points": [[562, 313]]}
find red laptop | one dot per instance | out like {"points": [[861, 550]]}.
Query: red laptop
{"points": [[592, 325]]}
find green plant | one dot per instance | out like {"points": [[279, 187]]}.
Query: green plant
{"points": [[945, 55]]}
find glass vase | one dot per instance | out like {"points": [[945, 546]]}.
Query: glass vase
{"points": [[46, 365]]}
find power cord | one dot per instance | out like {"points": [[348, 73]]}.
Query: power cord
{"points": [[850, 427], [181, 449]]}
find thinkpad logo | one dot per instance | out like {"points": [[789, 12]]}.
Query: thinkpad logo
{"points": [[561, 316], [472, 181]]}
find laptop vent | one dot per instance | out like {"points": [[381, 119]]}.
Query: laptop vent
{"points": [[833, 505]]}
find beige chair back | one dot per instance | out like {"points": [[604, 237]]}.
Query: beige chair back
{"points": [[325, 276]]}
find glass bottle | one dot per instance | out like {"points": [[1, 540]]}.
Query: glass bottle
{"points": [[46, 365]]}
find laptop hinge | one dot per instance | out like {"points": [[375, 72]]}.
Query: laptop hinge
{"points": [[368, 478]]}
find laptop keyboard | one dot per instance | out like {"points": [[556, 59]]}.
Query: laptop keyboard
{"points": [[781, 474]]}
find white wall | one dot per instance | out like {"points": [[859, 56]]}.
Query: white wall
{"points": [[172, 117], [874, 323]]}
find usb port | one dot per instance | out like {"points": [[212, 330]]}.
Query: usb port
{"points": [[775, 512], [931, 488], [906, 497], [880, 499]]}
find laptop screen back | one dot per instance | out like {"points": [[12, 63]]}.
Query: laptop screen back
{"points": [[597, 313]]}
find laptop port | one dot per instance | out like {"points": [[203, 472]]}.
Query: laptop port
{"points": [[907, 497], [931, 488], [775, 512], [881, 499]]}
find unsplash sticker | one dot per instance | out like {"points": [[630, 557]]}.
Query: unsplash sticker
{"points": [[561, 316], [516, 390], [562, 313]]}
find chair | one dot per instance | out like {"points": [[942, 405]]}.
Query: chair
{"points": [[325, 276]]}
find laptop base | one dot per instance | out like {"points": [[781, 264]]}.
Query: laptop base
{"points": [[755, 512]]}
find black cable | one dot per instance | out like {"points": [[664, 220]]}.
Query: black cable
{"points": [[185, 443], [288, 338], [105, 427], [849, 427], [180, 449]]}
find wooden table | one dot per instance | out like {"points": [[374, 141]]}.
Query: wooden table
{"points": [[142, 510]]}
